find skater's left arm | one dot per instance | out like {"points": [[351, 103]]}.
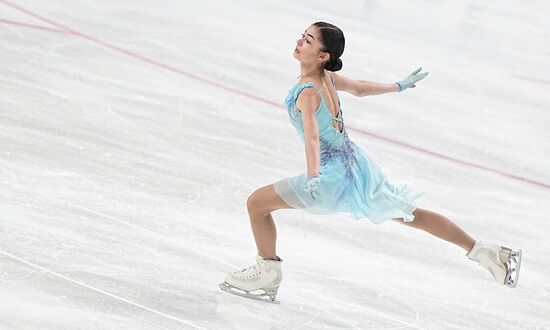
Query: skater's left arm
{"points": [[365, 87], [361, 87]]}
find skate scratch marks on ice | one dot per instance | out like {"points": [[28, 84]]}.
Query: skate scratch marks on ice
{"points": [[144, 129], [358, 281], [12, 282], [103, 215], [308, 322], [448, 299], [380, 314], [469, 304], [44, 270], [324, 310], [251, 96]]}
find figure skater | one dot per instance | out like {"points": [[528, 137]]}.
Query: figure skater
{"points": [[340, 177]]}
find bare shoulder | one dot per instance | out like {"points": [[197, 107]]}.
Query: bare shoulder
{"points": [[345, 84], [308, 101]]}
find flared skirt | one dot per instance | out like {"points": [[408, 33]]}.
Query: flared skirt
{"points": [[357, 186]]}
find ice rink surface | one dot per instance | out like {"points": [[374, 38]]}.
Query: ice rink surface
{"points": [[132, 133]]}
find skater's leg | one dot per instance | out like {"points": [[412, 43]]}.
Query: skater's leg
{"points": [[260, 204], [439, 226]]}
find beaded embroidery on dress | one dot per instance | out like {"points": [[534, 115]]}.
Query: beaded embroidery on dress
{"points": [[350, 181]]}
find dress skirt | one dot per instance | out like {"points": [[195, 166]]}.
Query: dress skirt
{"points": [[359, 188]]}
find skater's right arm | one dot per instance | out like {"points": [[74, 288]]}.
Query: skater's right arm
{"points": [[307, 103], [361, 87]]}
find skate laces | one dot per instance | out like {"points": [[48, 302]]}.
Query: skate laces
{"points": [[251, 271]]}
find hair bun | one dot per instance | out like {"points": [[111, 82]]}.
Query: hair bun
{"points": [[334, 64]]}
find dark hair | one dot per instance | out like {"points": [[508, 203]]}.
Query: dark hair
{"points": [[333, 42]]}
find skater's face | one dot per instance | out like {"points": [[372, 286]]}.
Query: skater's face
{"points": [[308, 47]]}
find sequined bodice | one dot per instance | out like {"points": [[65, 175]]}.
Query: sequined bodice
{"points": [[334, 145]]}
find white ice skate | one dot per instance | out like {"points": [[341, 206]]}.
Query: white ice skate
{"points": [[503, 263], [265, 275]]}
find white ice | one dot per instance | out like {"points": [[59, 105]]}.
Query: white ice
{"points": [[132, 133]]}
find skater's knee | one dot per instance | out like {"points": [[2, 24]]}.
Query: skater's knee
{"points": [[254, 203], [251, 202], [264, 201]]}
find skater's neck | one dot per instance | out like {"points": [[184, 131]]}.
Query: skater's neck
{"points": [[310, 72]]}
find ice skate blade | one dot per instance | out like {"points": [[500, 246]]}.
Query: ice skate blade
{"points": [[512, 282], [267, 296]]}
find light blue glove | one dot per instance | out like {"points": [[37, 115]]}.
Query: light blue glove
{"points": [[411, 80], [311, 185]]}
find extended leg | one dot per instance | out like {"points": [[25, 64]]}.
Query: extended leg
{"points": [[439, 226], [502, 262]]}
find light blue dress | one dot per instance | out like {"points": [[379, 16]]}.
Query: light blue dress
{"points": [[350, 181]]}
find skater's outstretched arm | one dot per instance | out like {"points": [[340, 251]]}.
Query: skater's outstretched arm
{"points": [[361, 87], [365, 87]]}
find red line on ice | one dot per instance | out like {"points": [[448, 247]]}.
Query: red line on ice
{"points": [[533, 79], [236, 91], [34, 26]]}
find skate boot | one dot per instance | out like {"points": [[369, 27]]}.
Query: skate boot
{"points": [[265, 275], [502, 262]]}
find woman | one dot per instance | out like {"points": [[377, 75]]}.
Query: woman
{"points": [[340, 177]]}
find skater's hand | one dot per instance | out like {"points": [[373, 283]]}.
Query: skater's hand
{"points": [[311, 185], [411, 80]]}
